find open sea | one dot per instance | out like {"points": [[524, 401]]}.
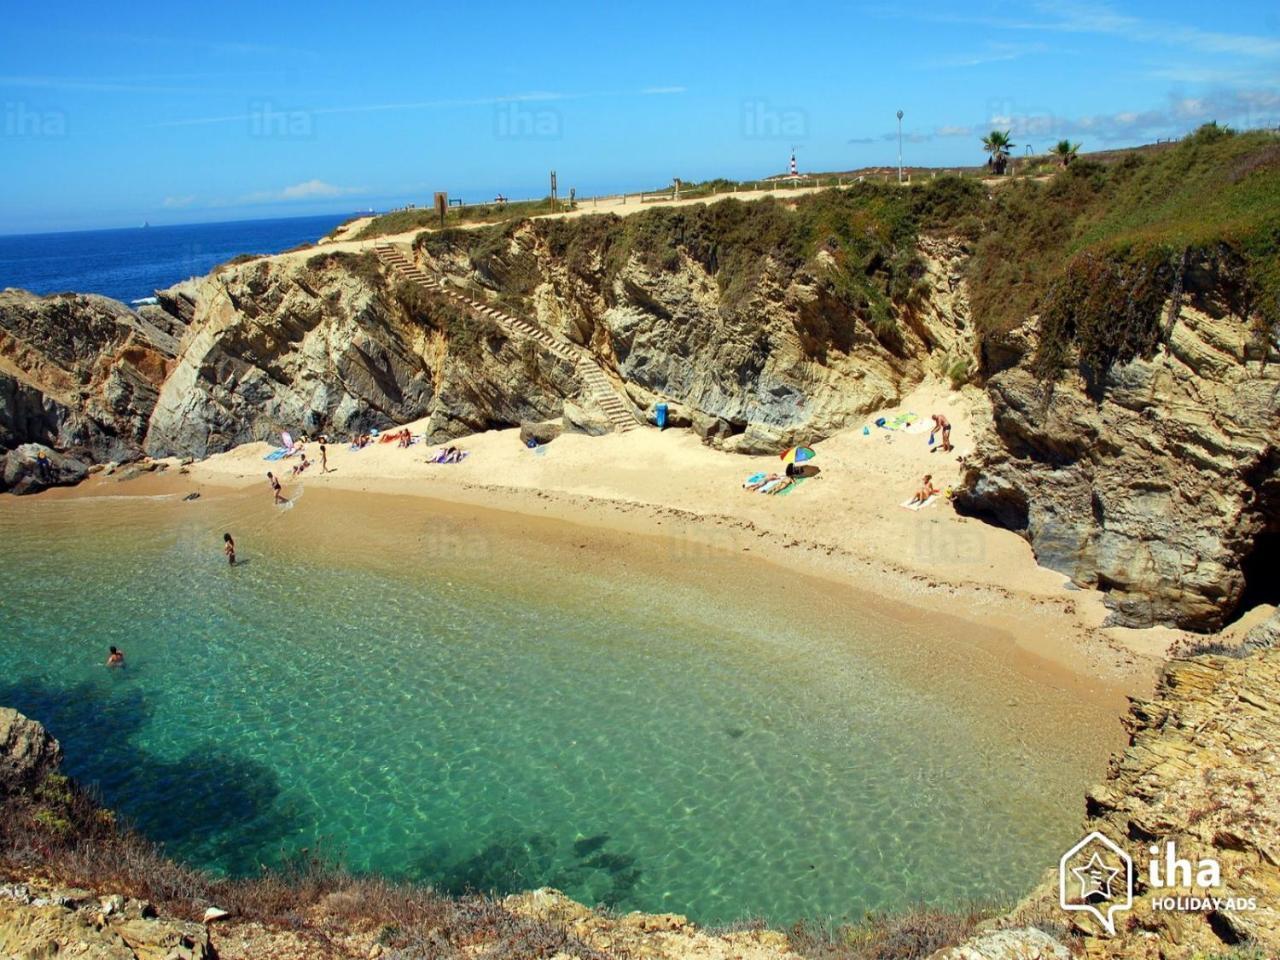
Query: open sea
{"points": [[483, 701], [133, 263]]}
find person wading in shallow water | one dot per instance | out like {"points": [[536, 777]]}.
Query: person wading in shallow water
{"points": [[275, 487], [115, 657], [229, 548]]}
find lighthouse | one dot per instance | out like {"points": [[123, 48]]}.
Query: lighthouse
{"points": [[792, 170]]}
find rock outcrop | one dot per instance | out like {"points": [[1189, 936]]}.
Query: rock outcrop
{"points": [[79, 373], [39, 920], [774, 360], [27, 752], [1202, 770], [1164, 492], [328, 344]]}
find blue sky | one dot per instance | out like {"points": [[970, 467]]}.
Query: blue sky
{"points": [[111, 114]]}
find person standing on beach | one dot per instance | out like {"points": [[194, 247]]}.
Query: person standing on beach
{"points": [[229, 548], [943, 425], [324, 457], [275, 487]]}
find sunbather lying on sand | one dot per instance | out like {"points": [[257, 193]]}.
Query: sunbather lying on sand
{"points": [[755, 484]]}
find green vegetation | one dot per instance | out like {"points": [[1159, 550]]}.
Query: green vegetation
{"points": [[423, 218], [467, 333], [999, 146], [859, 244], [1097, 250], [1064, 151], [1094, 246]]}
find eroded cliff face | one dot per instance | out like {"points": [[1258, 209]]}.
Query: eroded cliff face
{"points": [[79, 373], [329, 344], [1202, 770], [762, 361], [1163, 491]]}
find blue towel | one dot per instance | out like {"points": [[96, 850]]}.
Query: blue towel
{"points": [[277, 454]]}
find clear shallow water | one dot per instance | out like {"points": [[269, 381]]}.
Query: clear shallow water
{"points": [[131, 264], [447, 698]]}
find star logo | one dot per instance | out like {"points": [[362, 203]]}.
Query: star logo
{"points": [[1096, 878], [1103, 875]]}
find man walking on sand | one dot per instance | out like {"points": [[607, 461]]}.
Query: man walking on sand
{"points": [[941, 425], [275, 487]]}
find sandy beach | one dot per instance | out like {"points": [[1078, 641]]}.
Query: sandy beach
{"points": [[845, 525]]}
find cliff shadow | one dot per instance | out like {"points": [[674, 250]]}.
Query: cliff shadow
{"points": [[208, 806]]}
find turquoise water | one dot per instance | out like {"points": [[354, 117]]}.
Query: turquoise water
{"points": [[485, 704]]}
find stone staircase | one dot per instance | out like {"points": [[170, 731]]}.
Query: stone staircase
{"points": [[621, 414]]}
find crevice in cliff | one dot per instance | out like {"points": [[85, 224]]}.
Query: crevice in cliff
{"points": [[1261, 585]]}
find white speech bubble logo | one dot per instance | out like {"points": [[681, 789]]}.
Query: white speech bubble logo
{"points": [[1094, 878]]}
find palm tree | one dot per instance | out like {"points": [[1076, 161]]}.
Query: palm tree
{"points": [[1065, 151], [998, 144]]}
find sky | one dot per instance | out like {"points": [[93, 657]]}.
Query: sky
{"points": [[115, 114]]}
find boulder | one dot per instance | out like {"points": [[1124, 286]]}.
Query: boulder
{"points": [[588, 420], [27, 752], [39, 922], [21, 469], [540, 433]]}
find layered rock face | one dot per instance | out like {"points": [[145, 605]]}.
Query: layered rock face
{"points": [[79, 373], [756, 369], [1202, 770], [1165, 492], [329, 345]]}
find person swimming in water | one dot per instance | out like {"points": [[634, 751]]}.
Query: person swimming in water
{"points": [[229, 548], [275, 487], [115, 657]]}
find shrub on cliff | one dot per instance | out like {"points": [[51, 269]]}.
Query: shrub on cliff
{"points": [[1137, 227]]}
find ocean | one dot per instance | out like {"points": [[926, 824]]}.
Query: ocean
{"points": [[484, 701], [133, 263]]}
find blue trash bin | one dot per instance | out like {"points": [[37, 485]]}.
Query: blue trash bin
{"points": [[660, 415]]}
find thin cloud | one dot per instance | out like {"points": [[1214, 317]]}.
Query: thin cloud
{"points": [[90, 84], [177, 203], [991, 53], [306, 190], [534, 96], [1064, 16], [1178, 115]]}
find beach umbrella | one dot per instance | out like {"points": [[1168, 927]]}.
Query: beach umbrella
{"points": [[798, 455]]}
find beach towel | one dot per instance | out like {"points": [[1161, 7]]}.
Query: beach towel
{"points": [[754, 478], [277, 454], [912, 504], [789, 490], [901, 422]]}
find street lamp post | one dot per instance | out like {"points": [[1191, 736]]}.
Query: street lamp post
{"points": [[899, 146]]}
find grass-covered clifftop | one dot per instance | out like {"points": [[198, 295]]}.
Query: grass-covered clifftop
{"points": [[1095, 250]]}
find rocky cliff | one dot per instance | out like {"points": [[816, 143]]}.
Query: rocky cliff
{"points": [[760, 349], [1202, 770], [80, 374], [1162, 487]]}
